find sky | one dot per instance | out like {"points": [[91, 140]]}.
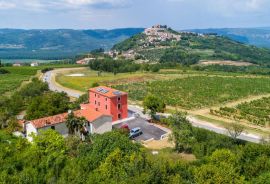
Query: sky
{"points": [[109, 14]]}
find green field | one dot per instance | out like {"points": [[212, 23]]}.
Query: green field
{"points": [[17, 75], [105, 78], [11, 81], [199, 91], [256, 112]]}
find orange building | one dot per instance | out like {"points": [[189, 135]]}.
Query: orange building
{"points": [[109, 101]]}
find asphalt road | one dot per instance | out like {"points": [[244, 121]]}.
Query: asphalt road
{"points": [[49, 77], [206, 125]]}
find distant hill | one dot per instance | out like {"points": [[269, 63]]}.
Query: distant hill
{"points": [[61, 43], [255, 36], [166, 45]]}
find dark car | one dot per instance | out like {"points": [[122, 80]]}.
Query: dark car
{"points": [[135, 132]]}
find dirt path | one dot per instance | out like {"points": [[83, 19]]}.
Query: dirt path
{"points": [[229, 104]]}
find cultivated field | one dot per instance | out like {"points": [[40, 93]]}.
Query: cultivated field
{"points": [[12, 80], [227, 62], [17, 75], [198, 91], [256, 112]]}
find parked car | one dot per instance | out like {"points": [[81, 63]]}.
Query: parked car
{"points": [[125, 128], [135, 132]]}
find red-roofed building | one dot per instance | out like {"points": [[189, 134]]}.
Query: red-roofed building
{"points": [[105, 106], [97, 123], [109, 101]]}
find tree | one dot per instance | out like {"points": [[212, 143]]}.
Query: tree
{"points": [[235, 130], [95, 84], [3, 119], [155, 68], [221, 168], [47, 105], [13, 125], [153, 104], [182, 133], [76, 124]]}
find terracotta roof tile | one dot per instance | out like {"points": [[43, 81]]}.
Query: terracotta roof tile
{"points": [[89, 114]]}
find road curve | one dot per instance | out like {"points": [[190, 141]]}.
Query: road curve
{"points": [[49, 77]]}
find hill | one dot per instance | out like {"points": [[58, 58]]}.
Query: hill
{"points": [[259, 37], [162, 44], [60, 43]]}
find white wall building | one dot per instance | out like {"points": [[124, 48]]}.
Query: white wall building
{"points": [[97, 123]]}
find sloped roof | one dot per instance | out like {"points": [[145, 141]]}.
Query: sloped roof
{"points": [[89, 114], [108, 92]]}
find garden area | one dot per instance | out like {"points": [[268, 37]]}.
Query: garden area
{"points": [[198, 91], [256, 112]]}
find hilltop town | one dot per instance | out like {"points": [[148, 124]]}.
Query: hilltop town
{"points": [[159, 33]]}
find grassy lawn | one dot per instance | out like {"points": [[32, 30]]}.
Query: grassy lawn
{"points": [[198, 91]]}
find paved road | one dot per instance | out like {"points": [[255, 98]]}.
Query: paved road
{"points": [[206, 125], [49, 77]]}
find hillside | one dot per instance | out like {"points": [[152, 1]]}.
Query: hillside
{"points": [[166, 45], [259, 37], [61, 43]]}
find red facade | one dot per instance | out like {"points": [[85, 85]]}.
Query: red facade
{"points": [[109, 101]]}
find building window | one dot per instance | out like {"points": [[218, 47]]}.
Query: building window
{"points": [[95, 102], [106, 107], [119, 106], [119, 116], [106, 99], [95, 95], [98, 103], [98, 96], [96, 109], [119, 99], [53, 127]]}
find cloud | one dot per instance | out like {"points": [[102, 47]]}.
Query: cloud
{"points": [[47, 5], [6, 5], [94, 2], [179, 14]]}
